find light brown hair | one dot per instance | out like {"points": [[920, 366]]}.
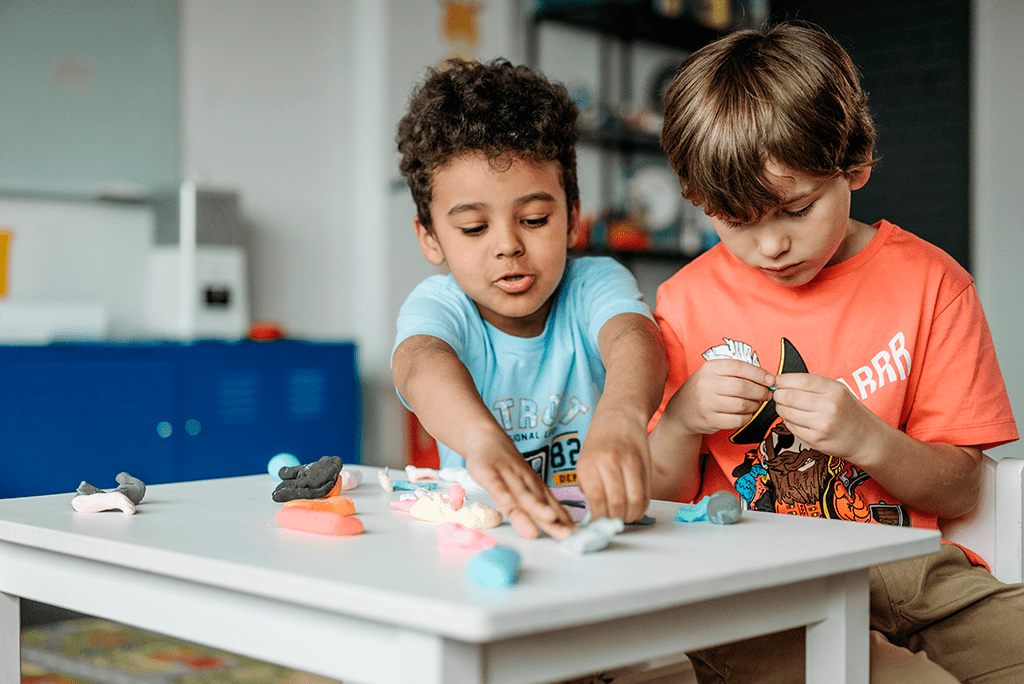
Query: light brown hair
{"points": [[789, 94]]}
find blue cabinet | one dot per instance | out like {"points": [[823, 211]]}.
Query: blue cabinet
{"points": [[168, 412]]}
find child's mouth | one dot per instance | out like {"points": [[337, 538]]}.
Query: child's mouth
{"points": [[515, 283]]}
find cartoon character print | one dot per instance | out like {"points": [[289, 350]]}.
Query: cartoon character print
{"points": [[782, 474]]}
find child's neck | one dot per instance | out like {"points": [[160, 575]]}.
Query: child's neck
{"points": [[857, 238]]}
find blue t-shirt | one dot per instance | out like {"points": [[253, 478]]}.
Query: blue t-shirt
{"points": [[542, 390]]}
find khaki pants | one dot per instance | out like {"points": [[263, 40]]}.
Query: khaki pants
{"points": [[942, 619]]}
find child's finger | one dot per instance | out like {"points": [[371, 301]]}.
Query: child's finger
{"points": [[743, 371], [522, 524], [637, 498]]}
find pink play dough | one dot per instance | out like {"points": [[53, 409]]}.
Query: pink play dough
{"points": [[306, 519], [456, 496], [403, 505], [103, 501], [456, 540]]}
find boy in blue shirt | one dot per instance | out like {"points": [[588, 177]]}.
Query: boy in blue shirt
{"points": [[530, 369]]}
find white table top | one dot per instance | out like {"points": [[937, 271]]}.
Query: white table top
{"points": [[223, 533]]}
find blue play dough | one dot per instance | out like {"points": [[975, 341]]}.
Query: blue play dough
{"points": [[282, 460], [411, 486], [495, 567], [721, 508]]}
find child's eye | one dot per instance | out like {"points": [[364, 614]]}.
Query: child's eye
{"points": [[536, 222], [474, 230], [800, 212]]}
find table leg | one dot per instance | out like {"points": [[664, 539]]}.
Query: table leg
{"points": [[10, 639], [434, 659], [837, 647]]}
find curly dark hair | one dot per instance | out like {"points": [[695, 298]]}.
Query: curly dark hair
{"points": [[501, 110]]}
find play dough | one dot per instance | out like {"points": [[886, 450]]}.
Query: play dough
{"points": [[720, 508], [103, 501], [435, 509], [342, 505], [312, 481], [455, 540], [594, 536], [306, 519], [349, 479], [132, 487], [496, 567], [282, 460], [574, 502]]}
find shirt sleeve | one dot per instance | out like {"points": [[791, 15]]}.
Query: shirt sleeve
{"points": [[603, 288], [961, 397], [434, 308], [674, 351]]}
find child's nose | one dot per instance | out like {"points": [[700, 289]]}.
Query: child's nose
{"points": [[772, 244], [507, 241]]}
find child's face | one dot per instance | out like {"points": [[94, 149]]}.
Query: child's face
{"points": [[812, 228], [504, 234]]}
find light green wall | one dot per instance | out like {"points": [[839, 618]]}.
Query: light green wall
{"points": [[88, 96]]}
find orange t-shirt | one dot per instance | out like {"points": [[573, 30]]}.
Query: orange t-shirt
{"points": [[899, 323]]}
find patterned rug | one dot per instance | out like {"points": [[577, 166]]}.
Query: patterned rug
{"points": [[94, 651]]}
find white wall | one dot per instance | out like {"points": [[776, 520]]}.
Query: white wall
{"points": [[76, 269], [296, 105], [996, 187]]}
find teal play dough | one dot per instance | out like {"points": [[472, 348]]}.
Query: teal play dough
{"points": [[282, 460], [495, 567], [721, 508]]}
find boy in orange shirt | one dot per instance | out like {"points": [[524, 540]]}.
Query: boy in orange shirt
{"points": [[825, 366]]}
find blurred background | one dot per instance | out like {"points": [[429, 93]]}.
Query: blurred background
{"points": [[174, 171]]}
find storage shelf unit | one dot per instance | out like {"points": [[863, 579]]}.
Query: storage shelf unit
{"points": [[170, 412], [618, 26]]}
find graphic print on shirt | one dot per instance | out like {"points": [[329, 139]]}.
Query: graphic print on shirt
{"points": [[555, 458], [781, 474]]}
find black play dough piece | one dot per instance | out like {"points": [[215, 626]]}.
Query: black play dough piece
{"points": [[762, 420], [311, 481]]}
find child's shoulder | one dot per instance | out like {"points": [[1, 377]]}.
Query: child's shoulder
{"points": [[436, 293], [916, 248], [578, 266], [588, 274]]}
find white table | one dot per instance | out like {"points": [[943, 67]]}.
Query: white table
{"points": [[206, 562]]}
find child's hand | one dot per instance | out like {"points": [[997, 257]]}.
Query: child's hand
{"points": [[614, 468], [825, 415], [519, 493], [722, 394]]}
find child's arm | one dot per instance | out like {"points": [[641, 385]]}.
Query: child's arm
{"points": [[614, 462], [438, 388], [721, 394], [937, 478]]}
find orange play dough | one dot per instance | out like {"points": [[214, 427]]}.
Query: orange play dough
{"points": [[342, 505], [307, 519]]}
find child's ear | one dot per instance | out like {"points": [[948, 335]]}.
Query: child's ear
{"points": [[429, 245], [859, 179], [574, 224]]}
